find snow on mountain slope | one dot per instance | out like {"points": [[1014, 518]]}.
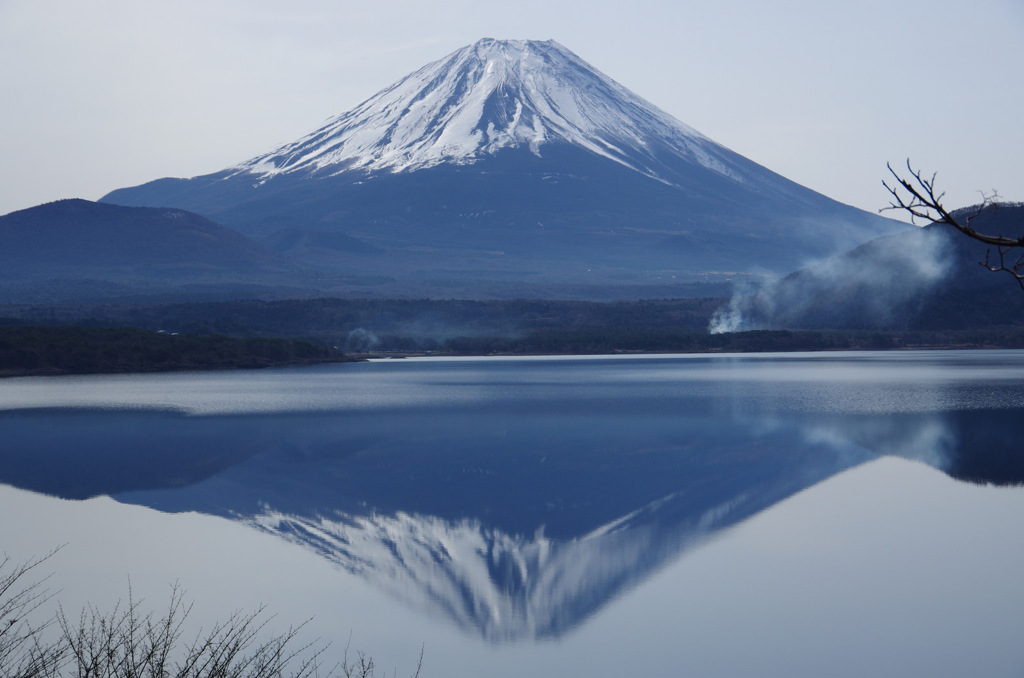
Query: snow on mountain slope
{"points": [[505, 587], [494, 95], [510, 167]]}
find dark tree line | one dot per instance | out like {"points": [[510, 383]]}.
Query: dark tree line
{"points": [[79, 350]]}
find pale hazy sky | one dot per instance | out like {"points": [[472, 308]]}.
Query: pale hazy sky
{"points": [[101, 94]]}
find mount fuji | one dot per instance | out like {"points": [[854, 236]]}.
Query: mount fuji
{"points": [[510, 166]]}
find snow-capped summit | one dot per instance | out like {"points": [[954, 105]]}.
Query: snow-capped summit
{"points": [[513, 168], [490, 96]]}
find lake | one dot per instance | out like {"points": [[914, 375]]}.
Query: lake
{"points": [[841, 514]]}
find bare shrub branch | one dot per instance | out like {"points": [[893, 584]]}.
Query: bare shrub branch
{"points": [[127, 642], [917, 196], [24, 651], [362, 666], [124, 643]]}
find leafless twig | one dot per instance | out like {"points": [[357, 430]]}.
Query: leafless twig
{"points": [[24, 651], [920, 199], [127, 642]]}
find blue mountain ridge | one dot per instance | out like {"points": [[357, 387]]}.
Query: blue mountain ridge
{"points": [[517, 162]]}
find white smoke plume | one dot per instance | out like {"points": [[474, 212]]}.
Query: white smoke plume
{"points": [[881, 284], [360, 340]]}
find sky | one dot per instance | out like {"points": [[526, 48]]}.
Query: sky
{"points": [[101, 94]]}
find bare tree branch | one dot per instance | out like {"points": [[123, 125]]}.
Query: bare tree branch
{"points": [[24, 651], [127, 642], [917, 196]]}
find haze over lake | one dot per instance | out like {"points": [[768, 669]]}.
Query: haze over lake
{"points": [[799, 514]]}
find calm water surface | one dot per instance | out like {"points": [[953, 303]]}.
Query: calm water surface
{"points": [[800, 514]]}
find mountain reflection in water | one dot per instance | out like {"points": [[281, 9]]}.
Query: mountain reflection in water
{"points": [[513, 523]]}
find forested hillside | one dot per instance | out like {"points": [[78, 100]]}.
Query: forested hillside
{"points": [[34, 350]]}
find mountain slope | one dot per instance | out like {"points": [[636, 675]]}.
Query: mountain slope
{"points": [[491, 96], [104, 248], [76, 233], [516, 162]]}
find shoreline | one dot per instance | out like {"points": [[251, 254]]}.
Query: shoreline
{"points": [[43, 351]]}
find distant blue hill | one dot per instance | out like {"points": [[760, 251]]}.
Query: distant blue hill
{"points": [[74, 249]]}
